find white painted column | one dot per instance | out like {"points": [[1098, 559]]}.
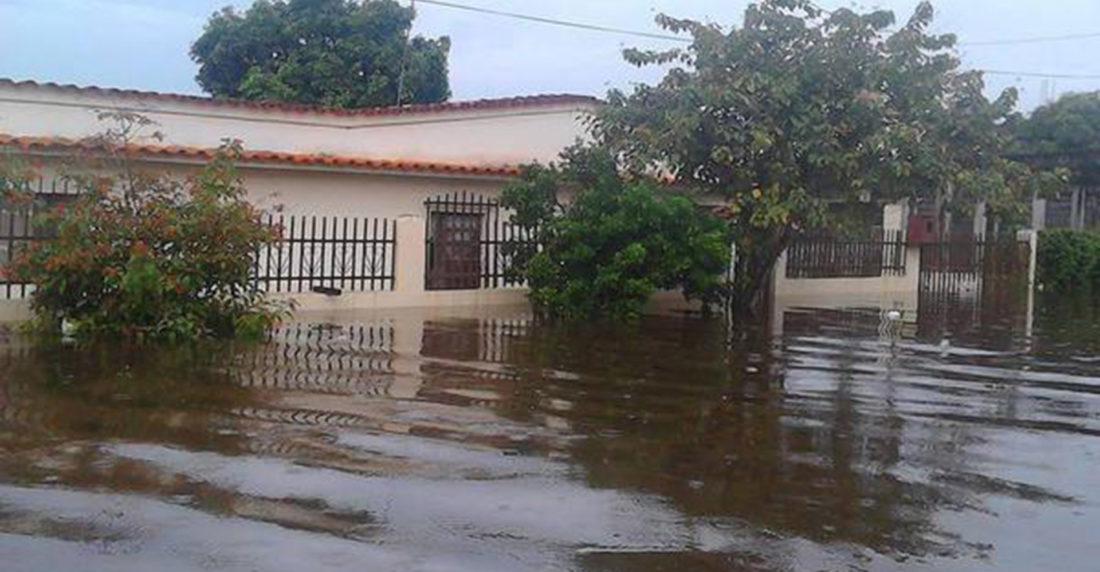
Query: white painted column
{"points": [[1075, 220], [1038, 213], [411, 256], [1032, 239], [979, 219], [895, 216]]}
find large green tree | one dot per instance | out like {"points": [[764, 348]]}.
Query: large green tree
{"points": [[1065, 133], [799, 109], [338, 53]]}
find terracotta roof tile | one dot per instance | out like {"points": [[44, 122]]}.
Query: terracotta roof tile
{"points": [[62, 144], [475, 105]]}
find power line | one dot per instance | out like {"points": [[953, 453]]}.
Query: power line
{"points": [[606, 29], [1033, 40], [652, 35], [1041, 74], [563, 23]]}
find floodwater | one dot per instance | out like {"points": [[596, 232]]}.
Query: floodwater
{"points": [[836, 440]]}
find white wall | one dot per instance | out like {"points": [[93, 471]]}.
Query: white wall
{"points": [[839, 291], [355, 194], [327, 192], [488, 136]]}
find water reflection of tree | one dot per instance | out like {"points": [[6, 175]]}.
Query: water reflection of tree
{"points": [[1070, 330], [667, 408], [800, 436], [101, 393], [63, 408]]}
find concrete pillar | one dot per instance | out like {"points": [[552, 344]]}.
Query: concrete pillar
{"points": [[979, 219], [1032, 239], [411, 255], [779, 281], [912, 267], [1075, 220], [895, 217], [1038, 214]]}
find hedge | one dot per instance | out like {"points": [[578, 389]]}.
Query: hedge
{"points": [[1069, 261]]}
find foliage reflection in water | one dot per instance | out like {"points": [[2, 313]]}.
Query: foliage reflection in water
{"points": [[846, 442]]}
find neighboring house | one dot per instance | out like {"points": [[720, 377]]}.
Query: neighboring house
{"points": [[429, 172], [1077, 208]]}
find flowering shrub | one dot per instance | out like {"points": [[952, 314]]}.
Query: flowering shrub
{"points": [[144, 257]]}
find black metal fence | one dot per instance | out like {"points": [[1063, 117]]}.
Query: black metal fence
{"points": [[830, 257], [326, 254], [329, 254], [16, 232], [17, 228], [469, 243]]}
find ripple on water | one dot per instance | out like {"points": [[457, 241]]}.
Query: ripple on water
{"points": [[503, 444]]}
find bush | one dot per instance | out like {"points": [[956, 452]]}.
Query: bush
{"points": [[144, 257], [1069, 261], [605, 252]]}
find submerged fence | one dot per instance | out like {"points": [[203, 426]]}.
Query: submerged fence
{"points": [[17, 228], [16, 232], [829, 257], [963, 280], [957, 267], [326, 254]]}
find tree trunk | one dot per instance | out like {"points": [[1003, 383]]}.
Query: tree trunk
{"points": [[753, 267]]}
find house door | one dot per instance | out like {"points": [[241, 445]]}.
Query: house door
{"points": [[454, 254]]}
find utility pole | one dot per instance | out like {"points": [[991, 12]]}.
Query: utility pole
{"points": [[405, 56]]}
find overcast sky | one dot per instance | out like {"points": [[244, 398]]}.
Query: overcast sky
{"points": [[143, 44]]}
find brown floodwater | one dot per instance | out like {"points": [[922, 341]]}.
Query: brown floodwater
{"points": [[831, 440]]}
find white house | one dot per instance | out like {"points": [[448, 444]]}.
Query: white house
{"points": [[340, 165], [385, 207]]}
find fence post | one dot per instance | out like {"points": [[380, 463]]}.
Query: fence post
{"points": [[1032, 238], [410, 255]]}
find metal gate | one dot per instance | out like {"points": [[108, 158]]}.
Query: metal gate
{"points": [[962, 280], [459, 230], [454, 257], [471, 244]]}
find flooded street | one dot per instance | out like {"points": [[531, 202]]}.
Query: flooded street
{"points": [[834, 440]]}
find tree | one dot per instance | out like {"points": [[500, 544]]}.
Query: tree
{"points": [[337, 53], [799, 109], [1064, 134], [614, 243]]}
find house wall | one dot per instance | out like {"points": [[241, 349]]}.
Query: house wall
{"points": [[486, 136], [840, 291], [495, 136], [304, 192], [409, 286], [343, 193], [324, 192]]}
